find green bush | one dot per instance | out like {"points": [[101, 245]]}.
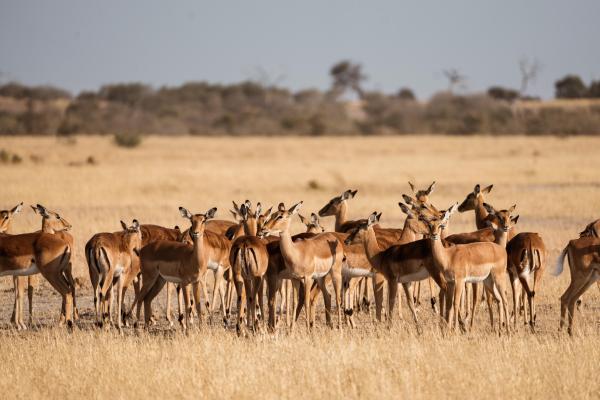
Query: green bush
{"points": [[128, 140]]}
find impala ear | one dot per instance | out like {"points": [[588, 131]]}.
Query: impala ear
{"points": [[404, 208], [489, 209], [236, 208], [372, 219], [477, 189], [378, 217], [295, 208], [512, 209], [314, 219], [281, 207], [185, 213], [136, 225], [210, 213], [408, 199], [487, 189], [123, 225], [40, 209], [177, 228], [514, 219], [268, 212], [348, 194], [431, 187], [412, 186], [248, 204], [244, 211], [258, 210], [17, 209], [302, 219]]}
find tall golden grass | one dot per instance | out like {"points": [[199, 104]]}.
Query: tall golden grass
{"points": [[553, 181]]}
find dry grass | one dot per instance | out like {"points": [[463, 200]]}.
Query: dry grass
{"points": [[553, 181]]}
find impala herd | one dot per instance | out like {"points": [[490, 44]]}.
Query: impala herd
{"points": [[257, 254]]}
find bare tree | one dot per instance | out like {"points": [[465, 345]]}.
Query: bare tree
{"points": [[455, 79], [529, 68], [347, 76]]}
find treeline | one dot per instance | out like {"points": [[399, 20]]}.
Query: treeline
{"points": [[251, 108]]}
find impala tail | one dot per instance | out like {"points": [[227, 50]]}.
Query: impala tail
{"points": [[249, 261], [558, 268]]}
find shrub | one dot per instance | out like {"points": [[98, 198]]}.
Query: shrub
{"points": [[570, 87], [128, 140], [500, 93]]}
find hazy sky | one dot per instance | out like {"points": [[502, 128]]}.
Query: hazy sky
{"points": [[83, 44]]}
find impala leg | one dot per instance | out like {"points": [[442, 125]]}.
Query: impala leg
{"points": [[71, 281], [365, 300], [198, 301], [516, 292], [378, 284], [168, 317], [308, 281], [591, 279], [564, 300], [239, 288], [489, 299], [392, 295], [411, 305], [296, 286], [475, 298], [32, 282], [459, 285], [273, 284], [119, 302], [250, 306]]}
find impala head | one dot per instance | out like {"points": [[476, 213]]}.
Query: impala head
{"points": [[51, 221], [422, 207], [437, 225], [312, 225], [422, 195], [132, 236], [6, 217], [474, 198], [280, 220], [335, 204], [412, 220], [197, 221], [358, 231], [503, 218], [250, 217]]}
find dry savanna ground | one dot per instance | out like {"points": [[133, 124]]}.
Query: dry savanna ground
{"points": [[554, 182]]}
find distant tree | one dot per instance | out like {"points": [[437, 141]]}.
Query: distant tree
{"points": [[406, 94], [455, 79], [127, 93], [570, 87], [594, 89], [500, 93], [530, 69], [347, 76]]}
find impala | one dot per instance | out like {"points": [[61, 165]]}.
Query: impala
{"points": [[181, 263], [47, 251], [103, 244], [468, 263], [6, 217], [584, 263], [305, 260]]}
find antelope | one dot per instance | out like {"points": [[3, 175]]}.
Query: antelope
{"points": [[249, 260], [101, 245], [584, 263], [475, 262], [6, 217], [402, 263], [181, 263], [121, 264], [47, 251], [304, 260]]}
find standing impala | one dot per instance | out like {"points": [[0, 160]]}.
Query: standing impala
{"points": [[47, 251], [181, 263], [475, 262], [306, 260], [584, 263], [6, 217]]}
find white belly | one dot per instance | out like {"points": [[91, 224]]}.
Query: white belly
{"points": [[213, 266], [417, 276], [172, 279], [118, 270], [474, 279], [349, 272], [31, 270], [318, 275]]}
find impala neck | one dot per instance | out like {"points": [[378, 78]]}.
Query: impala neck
{"points": [[501, 237], [340, 216], [480, 213], [289, 251], [250, 227], [372, 249], [198, 249], [239, 231], [439, 253], [46, 228], [408, 233]]}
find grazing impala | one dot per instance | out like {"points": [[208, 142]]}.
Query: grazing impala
{"points": [[183, 264], [584, 263], [467, 263], [47, 251], [305, 260]]}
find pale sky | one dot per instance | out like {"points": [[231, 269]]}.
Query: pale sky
{"points": [[81, 45]]}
